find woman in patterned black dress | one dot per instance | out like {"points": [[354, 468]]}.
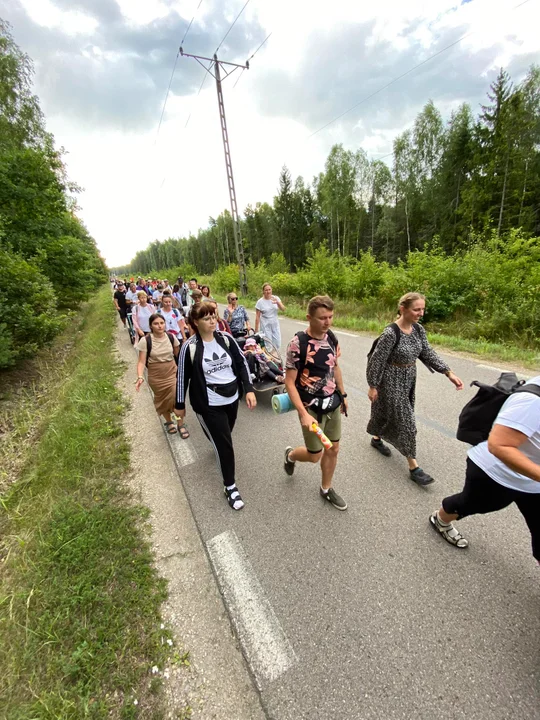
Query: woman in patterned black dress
{"points": [[391, 375]]}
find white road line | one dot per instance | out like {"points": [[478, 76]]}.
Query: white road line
{"points": [[342, 332], [183, 451], [498, 370], [265, 645]]}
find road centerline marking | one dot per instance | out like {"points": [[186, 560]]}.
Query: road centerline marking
{"points": [[265, 645]]}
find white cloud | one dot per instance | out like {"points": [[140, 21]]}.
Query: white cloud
{"points": [[138, 190]]}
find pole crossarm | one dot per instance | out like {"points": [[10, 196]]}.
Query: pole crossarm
{"points": [[216, 66], [214, 59]]}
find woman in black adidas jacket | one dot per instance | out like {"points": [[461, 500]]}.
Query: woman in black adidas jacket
{"points": [[216, 368]]}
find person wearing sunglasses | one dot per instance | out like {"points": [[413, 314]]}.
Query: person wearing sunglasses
{"points": [[237, 316]]}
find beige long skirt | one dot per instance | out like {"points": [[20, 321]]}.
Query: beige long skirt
{"points": [[162, 380]]}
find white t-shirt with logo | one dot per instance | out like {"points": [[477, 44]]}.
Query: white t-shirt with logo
{"points": [[171, 320], [217, 369], [520, 412]]}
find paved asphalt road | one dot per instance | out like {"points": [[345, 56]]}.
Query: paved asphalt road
{"points": [[368, 613]]}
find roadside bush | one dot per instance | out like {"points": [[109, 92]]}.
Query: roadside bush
{"points": [[28, 313]]}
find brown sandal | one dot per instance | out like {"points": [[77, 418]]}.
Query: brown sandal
{"points": [[170, 427], [184, 432]]}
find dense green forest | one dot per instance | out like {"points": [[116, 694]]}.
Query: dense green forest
{"points": [[455, 214], [453, 181], [48, 261]]}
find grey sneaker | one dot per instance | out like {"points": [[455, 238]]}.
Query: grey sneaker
{"points": [[332, 497], [288, 464]]}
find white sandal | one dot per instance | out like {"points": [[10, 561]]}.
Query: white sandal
{"points": [[449, 532]]}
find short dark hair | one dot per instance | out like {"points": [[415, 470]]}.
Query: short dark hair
{"points": [[319, 301], [199, 311], [193, 280]]}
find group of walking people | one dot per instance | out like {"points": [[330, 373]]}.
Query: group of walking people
{"points": [[213, 371]]}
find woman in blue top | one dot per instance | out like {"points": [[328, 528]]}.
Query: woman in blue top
{"points": [[236, 315]]}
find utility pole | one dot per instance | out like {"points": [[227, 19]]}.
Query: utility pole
{"points": [[215, 68]]}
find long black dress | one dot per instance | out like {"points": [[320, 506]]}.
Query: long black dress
{"points": [[392, 414]]}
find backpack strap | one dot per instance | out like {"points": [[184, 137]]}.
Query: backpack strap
{"points": [[148, 347], [397, 331], [192, 347], [529, 388]]}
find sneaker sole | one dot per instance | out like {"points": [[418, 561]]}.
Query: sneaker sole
{"points": [[338, 507], [422, 484]]}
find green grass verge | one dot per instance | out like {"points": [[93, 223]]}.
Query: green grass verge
{"points": [[80, 624], [347, 320]]}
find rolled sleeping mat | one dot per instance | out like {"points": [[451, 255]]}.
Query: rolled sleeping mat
{"points": [[281, 403]]}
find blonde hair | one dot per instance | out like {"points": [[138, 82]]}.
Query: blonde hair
{"points": [[141, 293], [408, 299]]}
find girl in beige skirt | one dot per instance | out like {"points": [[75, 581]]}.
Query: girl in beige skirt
{"points": [[161, 368]]}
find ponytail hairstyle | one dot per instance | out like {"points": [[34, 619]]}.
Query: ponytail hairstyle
{"points": [[407, 300]]}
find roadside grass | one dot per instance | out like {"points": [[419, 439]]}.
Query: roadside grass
{"points": [[347, 318], [80, 624]]}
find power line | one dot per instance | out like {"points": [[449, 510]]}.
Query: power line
{"points": [[191, 22], [234, 23], [174, 70], [399, 77], [251, 58], [167, 96], [260, 46]]}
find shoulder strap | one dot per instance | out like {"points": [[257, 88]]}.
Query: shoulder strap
{"points": [[148, 347], [171, 338], [302, 345], [334, 342], [176, 313], [397, 331], [530, 388]]}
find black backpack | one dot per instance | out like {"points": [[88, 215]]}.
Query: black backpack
{"points": [[149, 346], [478, 415]]}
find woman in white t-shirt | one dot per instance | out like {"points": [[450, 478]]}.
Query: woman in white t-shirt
{"points": [[503, 469], [214, 368], [157, 352], [174, 322], [141, 314], [266, 315]]}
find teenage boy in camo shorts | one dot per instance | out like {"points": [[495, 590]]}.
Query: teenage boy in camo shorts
{"points": [[315, 386]]}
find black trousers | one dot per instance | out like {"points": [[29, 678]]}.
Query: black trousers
{"points": [[217, 424], [481, 494]]}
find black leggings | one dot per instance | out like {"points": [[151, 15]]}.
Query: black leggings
{"points": [[481, 494], [217, 424]]}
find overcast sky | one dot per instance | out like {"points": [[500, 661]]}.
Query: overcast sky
{"points": [[103, 67]]}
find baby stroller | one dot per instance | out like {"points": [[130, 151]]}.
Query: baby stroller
{"points": [[264, 362]]}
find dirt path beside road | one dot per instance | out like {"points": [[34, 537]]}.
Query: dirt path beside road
{"points": [[212, 682]]}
